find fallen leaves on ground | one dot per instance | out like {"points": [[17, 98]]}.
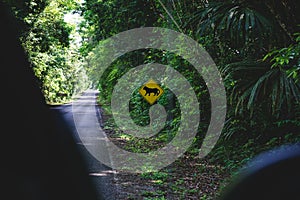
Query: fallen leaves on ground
{"points": [[187, 178]]}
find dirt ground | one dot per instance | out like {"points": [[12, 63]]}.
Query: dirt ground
{"points": [[187, 178]]}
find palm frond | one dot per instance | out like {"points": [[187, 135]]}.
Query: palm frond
{"points": [[238, 22], [258, 84]]}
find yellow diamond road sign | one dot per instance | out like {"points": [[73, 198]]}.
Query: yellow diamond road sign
{"points": [[151, 91]]}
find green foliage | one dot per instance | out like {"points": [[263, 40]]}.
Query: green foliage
{"points": [[108, 17], [287, 59], [256, 83], [155, 176], [234, 154], [237, 22], [237, 34], [46, 39], [268, 88], [27, 8]]}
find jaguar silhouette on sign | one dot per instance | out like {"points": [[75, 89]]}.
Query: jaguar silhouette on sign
{"points": [[148, 91]]}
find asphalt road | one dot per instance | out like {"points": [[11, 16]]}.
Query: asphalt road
{"points": [[84, 114]]}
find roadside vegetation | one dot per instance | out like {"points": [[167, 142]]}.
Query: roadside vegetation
{"points": [[255, 45]]}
